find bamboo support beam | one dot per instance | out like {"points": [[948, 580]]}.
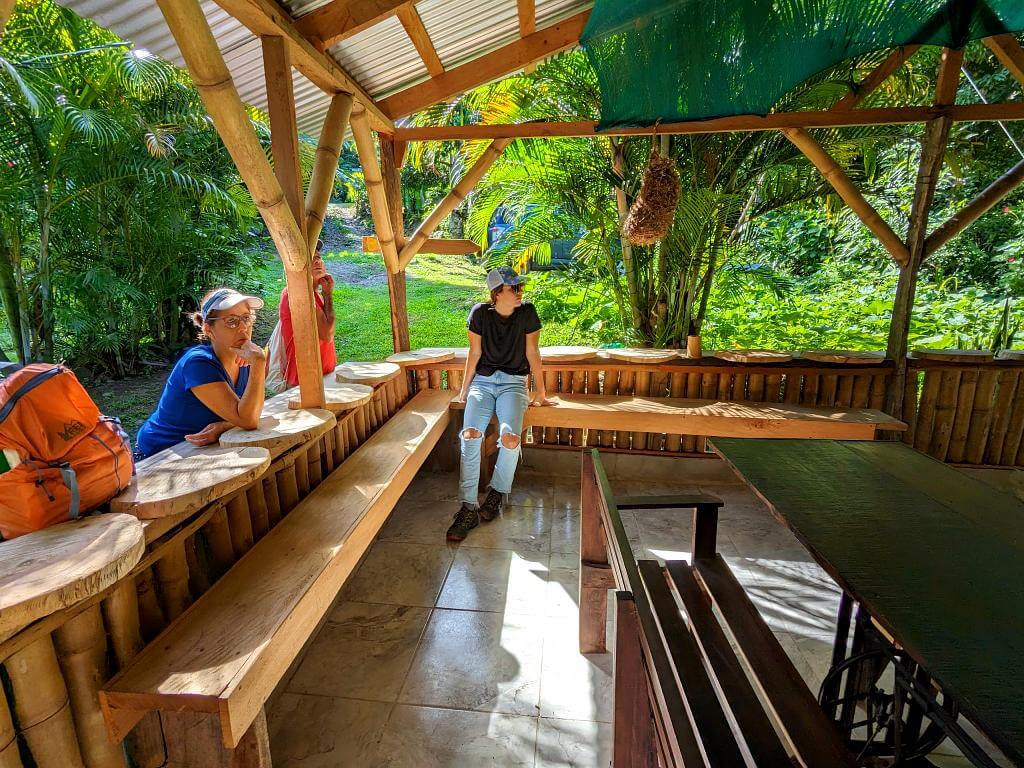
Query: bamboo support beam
{"points": [[413, 25], [975, 209], [846, 189], [284, 140], [267, 17], [6, 10], [432, 245], [325, 165], [451, 200], [391, 176], [375, 188], [959, 113], [878, 75], [1009, 52]]}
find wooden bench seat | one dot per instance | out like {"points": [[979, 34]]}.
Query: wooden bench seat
{"points": [[223, 657], [700, 679]]}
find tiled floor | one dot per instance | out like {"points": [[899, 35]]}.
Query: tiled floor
{"points": [[449, 656]]}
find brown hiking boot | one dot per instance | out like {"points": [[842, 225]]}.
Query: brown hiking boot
{"points": [[466, 519], [491, 506]]}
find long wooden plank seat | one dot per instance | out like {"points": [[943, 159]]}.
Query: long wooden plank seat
{"points": [[220, 660], [685, 693], [714, 418]]}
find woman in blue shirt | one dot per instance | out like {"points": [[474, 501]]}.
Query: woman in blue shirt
{"points": [[214, 386]]}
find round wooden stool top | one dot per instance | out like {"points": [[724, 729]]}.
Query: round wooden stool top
{"points": [[844, 356], [641, 355], [187, 477], [45, 571], [567, 354], [366, 373], [953, 355], [422, 356], [754, 356], [279, 431], [339, 397]]}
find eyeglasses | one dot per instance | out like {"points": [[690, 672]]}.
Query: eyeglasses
{"points": [[233, 321], [516, 288]]}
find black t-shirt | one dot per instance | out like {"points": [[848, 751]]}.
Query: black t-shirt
{"points": [[503, 339]]}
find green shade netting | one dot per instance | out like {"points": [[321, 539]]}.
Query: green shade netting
{"points": [[674, 60]]}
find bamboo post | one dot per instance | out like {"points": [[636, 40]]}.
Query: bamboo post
{"points": [[844, 391], [42, 706], [451, 200], [926, 409], [360, 426], [962, 419], [879, 383], [301, 466], [325, 165], [945, 413], [641, 388], [239, 524], [374, 187], [860, 395], [1007, 384], [827, 391], [981, 417], [576, 385], [9, 757], [677, 388], [273, 499], [809, 396], [836, 176], [151, 615], [172, 576], [689, 443], [257, 500], [82, 651], [313, 459], [327, 452], [145, 743], [218, 536], [624, 388], [421, 380], [551, 385], [288, 489], [391, 177], [198, 560], [191, 31]]}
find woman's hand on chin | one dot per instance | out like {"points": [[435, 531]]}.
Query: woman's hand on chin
{"points": [[209, 434], [249, 353]]}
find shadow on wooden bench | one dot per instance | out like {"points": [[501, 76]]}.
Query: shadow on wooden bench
{"points": [[704, 685], [211, 671]]}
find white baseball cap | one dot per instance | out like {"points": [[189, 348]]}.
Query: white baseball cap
{"points": [[226, 298]]}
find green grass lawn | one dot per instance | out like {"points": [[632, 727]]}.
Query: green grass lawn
{"points": [[440, 292]]}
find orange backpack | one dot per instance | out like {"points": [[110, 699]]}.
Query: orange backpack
{"points": [[72, 458]]}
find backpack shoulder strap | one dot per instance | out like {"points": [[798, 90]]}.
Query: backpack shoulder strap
{"points": [[26, 388]]}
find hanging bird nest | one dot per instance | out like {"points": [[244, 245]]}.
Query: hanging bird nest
{"points": [[654, 208]]}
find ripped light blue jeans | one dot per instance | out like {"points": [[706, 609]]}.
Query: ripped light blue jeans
{"points": [[505, 395]]}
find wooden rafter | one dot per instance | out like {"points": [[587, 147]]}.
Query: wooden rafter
{"points": [[374, 187], [509, 58], [975, 209], [852, 196], [413, 25], [879, 75], [325, 165], [343, 18], [773, 122], [527, 11], [267, 18], [1010, 54], [451, 200]]}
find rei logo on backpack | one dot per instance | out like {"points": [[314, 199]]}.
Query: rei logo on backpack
{"points": [[71, 458]]}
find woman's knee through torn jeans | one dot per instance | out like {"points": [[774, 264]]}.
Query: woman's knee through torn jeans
{"points": [[505, 395]]}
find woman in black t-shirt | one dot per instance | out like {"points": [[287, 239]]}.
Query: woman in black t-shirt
{"points": [[504, 349]]}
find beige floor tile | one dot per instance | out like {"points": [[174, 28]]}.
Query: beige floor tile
{"points": [[521, 529], [424, 737], [363, 651], [565, 530], [562, 596], [532, 491], [400, 573], [325, 732], [481, 661], [419, 521], [496, 580], [434, 486], [574, 686], [573, 744]]}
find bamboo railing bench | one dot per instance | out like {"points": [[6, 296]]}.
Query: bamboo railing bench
{"points": [[682, 695], [210, 671]]}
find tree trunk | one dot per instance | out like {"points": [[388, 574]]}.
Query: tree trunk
{"points": [[46, 321], [9, 296]]}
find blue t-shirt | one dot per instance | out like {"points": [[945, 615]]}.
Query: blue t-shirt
{"points": [[180, 412]]}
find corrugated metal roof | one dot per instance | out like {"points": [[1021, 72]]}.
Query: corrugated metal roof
{"points": [[382, 58]]}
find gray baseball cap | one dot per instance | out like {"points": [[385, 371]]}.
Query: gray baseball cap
{"points": [[503, 276]]}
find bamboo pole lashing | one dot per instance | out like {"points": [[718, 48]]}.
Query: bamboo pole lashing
{"points": [[325, 165], [42, 706], [374, 187], [451, 201], [81, 644], [172, 577], [847, 190]]}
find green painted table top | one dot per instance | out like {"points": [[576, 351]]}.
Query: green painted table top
{"points": [[935, 556]]}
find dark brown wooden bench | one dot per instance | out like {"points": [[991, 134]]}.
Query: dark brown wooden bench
{"points": [[700, 680]]}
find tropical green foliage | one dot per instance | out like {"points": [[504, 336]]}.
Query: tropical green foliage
{"points": [[118, 203]]}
